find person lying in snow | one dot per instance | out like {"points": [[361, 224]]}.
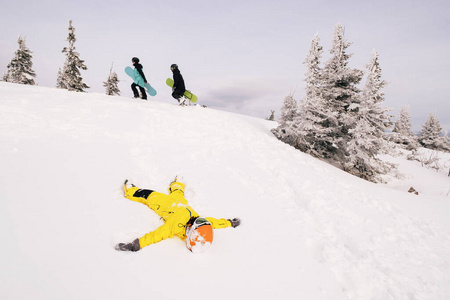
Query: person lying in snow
{"points": [[180, 219]]}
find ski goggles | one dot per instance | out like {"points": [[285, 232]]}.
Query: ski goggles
{"points": [[198, 222], [201, 221]]}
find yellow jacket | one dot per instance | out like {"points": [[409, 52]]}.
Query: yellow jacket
{"points": [[173, 208]]}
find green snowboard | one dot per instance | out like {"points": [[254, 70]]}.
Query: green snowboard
{"points": [[187, 93]]}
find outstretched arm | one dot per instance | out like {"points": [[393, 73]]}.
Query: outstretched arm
{"points": [[162, 233], [224, 223]]}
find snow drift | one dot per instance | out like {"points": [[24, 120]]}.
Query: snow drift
{"points": [[309, 231]]}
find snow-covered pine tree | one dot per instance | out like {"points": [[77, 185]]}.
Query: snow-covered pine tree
{"points": [[286, 130], [111, 84], [340, 93], [402, 133], [372, 99], [289, 109], [61, 80], [314, 71], [313, 133], [272, 115], [70, 76], [403, 123], [447, 143], [368, 136], [20, 69], [430, 136]]}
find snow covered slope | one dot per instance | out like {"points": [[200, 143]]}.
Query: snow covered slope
{"points": [[309, 231]]}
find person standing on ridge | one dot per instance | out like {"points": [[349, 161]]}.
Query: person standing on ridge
{"points": [[180, 219], [178, 84], [139, 79]]}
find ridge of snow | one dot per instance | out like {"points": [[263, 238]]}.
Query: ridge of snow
{"points": [[309, 230]]}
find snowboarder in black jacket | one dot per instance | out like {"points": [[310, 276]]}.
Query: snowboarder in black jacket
{"points": [[139, 79], [178, 83]]}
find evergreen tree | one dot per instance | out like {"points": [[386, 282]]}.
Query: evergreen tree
{"points": [[403, 124], [372, 99], [289, 109], [20, 69], [111, 84], [272, 116], [430, 136], [314, 71], [286, 130], [446, 144], [402, 133], [70, 76], [368, 135], [341, 95], [61, 80], [314, 132], [335, 120]]}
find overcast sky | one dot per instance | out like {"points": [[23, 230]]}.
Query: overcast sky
{"points": [[241, 56]]}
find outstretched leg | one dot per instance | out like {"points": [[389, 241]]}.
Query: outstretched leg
{"points": [[150, 198], [134, 193]]}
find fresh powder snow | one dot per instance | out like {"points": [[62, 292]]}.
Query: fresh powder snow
{"points": [[309, 230]]}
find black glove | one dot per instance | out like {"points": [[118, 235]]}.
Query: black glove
{"points": [[134, 246], [235, 222]]}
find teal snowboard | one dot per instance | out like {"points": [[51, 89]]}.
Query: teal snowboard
{"points": [[187, 93], [150, 90]]}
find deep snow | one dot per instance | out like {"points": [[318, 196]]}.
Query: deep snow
{"points": [[309, 231]]}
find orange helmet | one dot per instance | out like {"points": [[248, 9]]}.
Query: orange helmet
{"points": [[199, 235]]}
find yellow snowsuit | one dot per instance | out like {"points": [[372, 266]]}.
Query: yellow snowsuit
{"points": [[173, 208]]}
